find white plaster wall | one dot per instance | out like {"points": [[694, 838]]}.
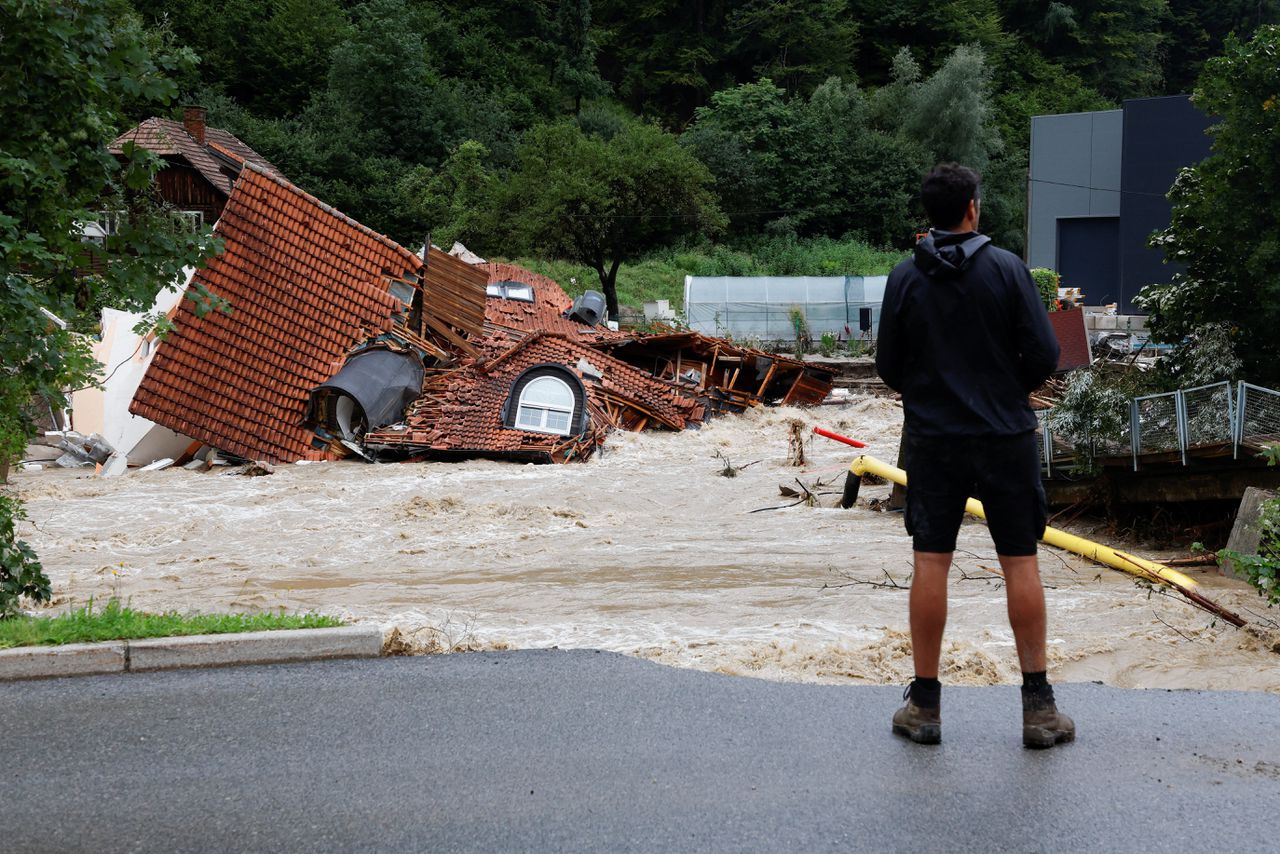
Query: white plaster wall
{"points": [[125, 356]]}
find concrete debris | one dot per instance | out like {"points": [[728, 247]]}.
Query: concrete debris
{"points": [[116, 465], [1245, 535], [82, 450], [71, 461], [462, 253]]}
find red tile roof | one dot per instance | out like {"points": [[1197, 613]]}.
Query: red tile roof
{"points": [[1073, 339], [306, 283], [460, 410], [544, 314], [170, 138]]}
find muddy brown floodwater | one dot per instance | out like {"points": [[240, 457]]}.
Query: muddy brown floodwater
{"points": [[646, 550]]}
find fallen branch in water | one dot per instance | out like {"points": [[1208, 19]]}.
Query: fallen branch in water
{"points": [[1198, 599], [890, 583], [1167, 626], [1195, 560]]}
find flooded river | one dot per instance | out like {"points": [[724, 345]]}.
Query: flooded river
{"points": [[646, 550]]}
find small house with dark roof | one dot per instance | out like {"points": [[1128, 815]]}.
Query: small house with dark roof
{"points": [[201, 162]]}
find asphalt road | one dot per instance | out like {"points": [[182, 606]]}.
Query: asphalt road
{"points": [[580, 750]]}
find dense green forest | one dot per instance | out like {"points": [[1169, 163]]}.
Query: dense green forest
{"points": [[608, 130]]}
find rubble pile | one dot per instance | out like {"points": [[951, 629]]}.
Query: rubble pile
{"points": [[342, 342]]}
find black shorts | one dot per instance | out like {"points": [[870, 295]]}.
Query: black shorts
{"points": [[1003, 472]]}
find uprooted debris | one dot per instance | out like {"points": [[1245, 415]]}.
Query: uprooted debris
{"points": [[730, 470], [258, 469]]}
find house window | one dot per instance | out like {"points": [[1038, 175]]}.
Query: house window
{"points": [[511, 290], [109, 222], [546, 406], [403, 291]]}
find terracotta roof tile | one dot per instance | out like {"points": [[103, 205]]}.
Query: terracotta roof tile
{"points": [[544, 314], [1073, 339], [240, 382], [460, 411], [170, 138]]}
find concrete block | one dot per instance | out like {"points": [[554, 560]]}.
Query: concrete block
{"points": [[116, 465], [76, 659], [1244, 533], [1105, 322], [255, 648]]}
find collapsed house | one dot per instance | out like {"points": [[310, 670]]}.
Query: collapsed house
{"points": [[310, 289], [341, 341]]}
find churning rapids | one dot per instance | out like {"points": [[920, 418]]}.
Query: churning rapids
{"points": [[646, 550]]}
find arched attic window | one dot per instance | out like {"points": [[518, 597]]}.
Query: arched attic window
{"points": [[547, 399]]}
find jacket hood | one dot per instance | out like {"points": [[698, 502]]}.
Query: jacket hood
{"points": [[943, 255]]}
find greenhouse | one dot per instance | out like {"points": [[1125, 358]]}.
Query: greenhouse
{"points": [[762, 307]]}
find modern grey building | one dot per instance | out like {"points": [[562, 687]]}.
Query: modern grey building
{"points": [[1098, 188]]}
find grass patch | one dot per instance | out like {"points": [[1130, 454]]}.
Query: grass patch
{"points": [[119, 622], [660, 275]]}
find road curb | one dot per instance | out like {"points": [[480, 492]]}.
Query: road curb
{"points": [[74, 659], [191, 651]]}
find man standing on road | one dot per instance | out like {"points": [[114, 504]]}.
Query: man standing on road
{"points": [[965, 338]]}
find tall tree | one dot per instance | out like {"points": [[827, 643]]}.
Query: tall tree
{"points": [[575, 71], [601, 202], [1197, 29], [1116, 46], [1226, 211], [269, 56], [797, 43], [666, 57]]}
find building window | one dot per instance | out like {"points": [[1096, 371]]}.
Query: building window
{"points": [[546, 406], [511, 290], [188, 222]]}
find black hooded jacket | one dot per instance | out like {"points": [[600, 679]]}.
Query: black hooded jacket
{"points": [[965, 338]]}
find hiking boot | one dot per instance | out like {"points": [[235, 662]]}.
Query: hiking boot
{"points": [[1042, 724], [921, 724]]}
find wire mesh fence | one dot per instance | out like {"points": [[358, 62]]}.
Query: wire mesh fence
{"points": [[1258, 419], [1209, 415], [1155, 425]]}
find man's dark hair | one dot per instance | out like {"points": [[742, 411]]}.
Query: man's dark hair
{"points": [[946, 193]]}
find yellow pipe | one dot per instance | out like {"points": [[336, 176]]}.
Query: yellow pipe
{"points": [[1131, 564]]}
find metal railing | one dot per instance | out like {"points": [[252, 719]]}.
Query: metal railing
{"points": [[1177, 422], [1258, 418]]}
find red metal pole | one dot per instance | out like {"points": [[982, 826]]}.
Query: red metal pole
{"points": [[839, 438]]}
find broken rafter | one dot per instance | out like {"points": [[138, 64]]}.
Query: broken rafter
{"points": [[619, 400]]}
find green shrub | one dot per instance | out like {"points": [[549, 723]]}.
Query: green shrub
{"points": [[1047, 282]]}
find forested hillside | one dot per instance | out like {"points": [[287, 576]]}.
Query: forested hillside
{"points": [[607, 130]]}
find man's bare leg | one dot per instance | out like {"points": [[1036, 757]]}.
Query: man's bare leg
{"points": [[1026, 610], [929, 610], [1042, 724], [920, 719]]}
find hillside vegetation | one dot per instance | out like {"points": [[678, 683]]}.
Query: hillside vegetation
{"points": [[613, 131]]}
